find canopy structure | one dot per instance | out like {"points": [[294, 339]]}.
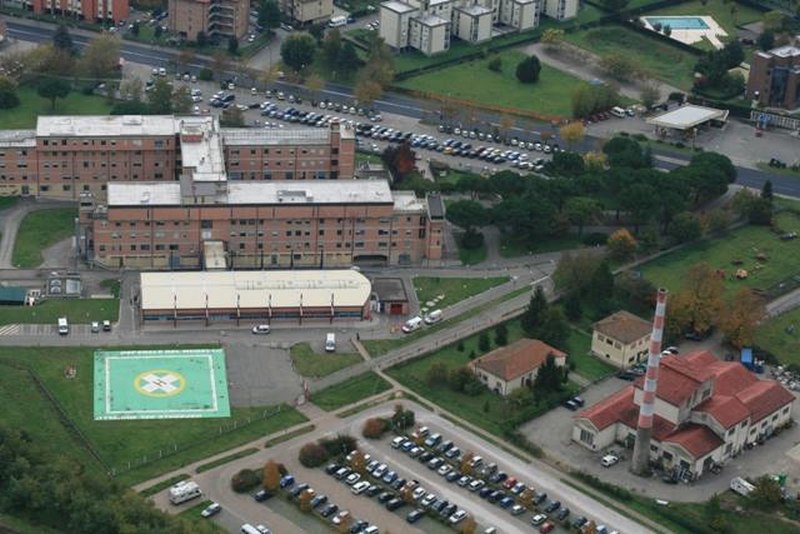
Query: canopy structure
{"points": [[688, 117]]}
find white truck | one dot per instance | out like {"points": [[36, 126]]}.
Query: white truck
{"points": [[741, 486], [184, 491]]}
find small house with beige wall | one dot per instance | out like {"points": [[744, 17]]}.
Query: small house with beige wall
{"points": [[511, 367], [621, 339]]}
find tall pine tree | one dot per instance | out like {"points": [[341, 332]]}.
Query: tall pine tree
{"points": [[534, 315]]}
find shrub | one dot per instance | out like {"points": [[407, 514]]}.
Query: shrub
{"points": [[341, 444], [245, 480], [472, 239], [495, 64], [528, 69], [313, 455], [402, 418], [205, 74], [375, 428], [594, 239]]}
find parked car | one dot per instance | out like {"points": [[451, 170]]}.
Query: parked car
{"points": [[609, 460], [415, 515], [552, 507], [538, 519], [563, 514], [329, 510], [457, 517], [262, 495], [394, 504], [261, 329], [212, 509]]}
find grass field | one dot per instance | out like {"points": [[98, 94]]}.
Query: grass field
{"points": [[77, 311], [783, 257], [7, 202], [471, 256], [359, 387], [452, 289], [39, 230], [514, 246], [658, 60], [312, 364], [586, 365], [721, 11], [32, 105], [773, 336], [117, 442], [473, 81], [487, 410]]}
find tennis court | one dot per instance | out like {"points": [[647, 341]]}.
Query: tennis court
{"points": [[160, 384]]}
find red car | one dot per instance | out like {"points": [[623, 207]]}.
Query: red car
{"points": [[510, 483]]}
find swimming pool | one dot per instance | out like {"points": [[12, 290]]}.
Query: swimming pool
{"points": [[678, 23]]}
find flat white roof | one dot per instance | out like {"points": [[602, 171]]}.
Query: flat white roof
{"points": [[9, 138], [785, 51], [407, 201], [283, 136], [310, 192], [105, 125], [201, 149], [474, 10], [253, 289], [431, 20], [398, 7], [144, 193], [688, 116]]}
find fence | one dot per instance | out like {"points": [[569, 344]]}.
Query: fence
{"points": [[774, 119]]}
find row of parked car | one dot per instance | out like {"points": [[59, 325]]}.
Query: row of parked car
{"points": [[393, 491]]}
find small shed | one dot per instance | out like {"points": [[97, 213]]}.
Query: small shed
{"points": [[390, 296], [13, 296]]}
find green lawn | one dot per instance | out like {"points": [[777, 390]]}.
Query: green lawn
{"points": [[586, 365], [112, 285], [472, 256], [473, 408], [451, 290], [39, 230], [777, 336], [32, 105], [721, 11], [659, 60], [514, 246], [77, 311], [473, 81], [7, 202], [117, 442], [783, 257], [353, 390], [362, 157], [309, 363]]}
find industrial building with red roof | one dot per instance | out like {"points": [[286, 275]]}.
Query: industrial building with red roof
{"points": [[706, 411]]}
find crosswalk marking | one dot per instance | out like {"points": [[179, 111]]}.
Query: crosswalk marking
{"points": [[9, 330]]}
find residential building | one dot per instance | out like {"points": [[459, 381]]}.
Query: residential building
{"points": [[621, 339], [706, 411], [514, 366], [430, 25], [560, 9], [307, 12], [215, 18], [774, 79], [89, 10], [66, 157]]}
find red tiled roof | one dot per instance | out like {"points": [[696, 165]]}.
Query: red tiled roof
{"points": [[661, 427], [728, 411], [678, 379], [609, 410], [623, 326], [698, 440], [731, 378], [763, 398], [519, 358]]}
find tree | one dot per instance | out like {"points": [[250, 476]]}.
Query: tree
{"points": [[358, 462], [304, 500], [650, 94], [718, 221], [549, 377], [626, 152], [766, 191], [135, 28], [245, 480], [467, 214], [201, 39], [348, 61], [269, 14], [181, 100], [160, 98], [312, 455], [534, 315], [297, 51], [697, 305], [572, 133], [159, 30], [331, 48], [271, 476], [575, 271], [132, 89], [774, 21], [402, 418], [767, 494], [582, 210], [553, 38], [555, 329], [740, 317], [468, 526], [437, 374], [588, 99], [566, 164], [615, 5], [620, 66], [601, 286], [685, 227], [594, 161], [100, 58], [766, 40], [572, 307], [484, 345], [400, 160], [8, 93], [232, 118], [62, 40], [52, 89], [621, 245], [374, 428], [501, 335], [465, 465], [528, 69], [315, 83], [367, 91]]}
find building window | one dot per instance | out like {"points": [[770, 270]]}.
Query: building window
{"points": [[587, 437]]}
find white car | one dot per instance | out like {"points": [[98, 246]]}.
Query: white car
{"points": [[457, 517], [341, 517], [609, 460], [352, 478], [212, 509], [261, 329]]}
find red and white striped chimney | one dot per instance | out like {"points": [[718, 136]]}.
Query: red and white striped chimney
{"points": [[640, 464]]}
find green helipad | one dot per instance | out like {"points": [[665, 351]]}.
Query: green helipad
{"points": [[160, 384]]}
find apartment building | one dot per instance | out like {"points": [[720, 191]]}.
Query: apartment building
{"points": [[67, 157], [261, 225], [774, 79], [215, 18], [88, 10], [307, 12], [429, 25], [560, 9]]}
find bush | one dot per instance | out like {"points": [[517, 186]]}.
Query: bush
{"points": [[341, 444], [375, 428], [528, 69], [313, 455], [472, 239], [205, 74], [495, 64], [594, 239], [245, 480]]}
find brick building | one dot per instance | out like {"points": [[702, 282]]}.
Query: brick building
{"points": [[774, 79], [67, 156], [215, 18], [88, 10]]}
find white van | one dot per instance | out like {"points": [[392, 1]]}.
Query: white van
{"points": [[247, 528], [63, 326], [412, 324], [433, 317], [618, 112], [330, 342], [335, 22], [184, 491]]}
